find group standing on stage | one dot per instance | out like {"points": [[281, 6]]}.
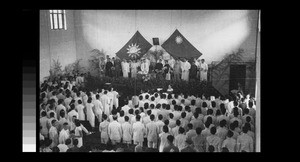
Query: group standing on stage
{"points": [[179, 69]]}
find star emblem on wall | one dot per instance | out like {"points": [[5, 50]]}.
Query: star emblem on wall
{"points": [[133, 50], [178, 40]]}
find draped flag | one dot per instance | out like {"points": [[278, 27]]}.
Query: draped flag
{"points": [[178, 46], [135, 48]]}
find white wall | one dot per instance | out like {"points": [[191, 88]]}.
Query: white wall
{"points": [[56, 44], [212, 32]]}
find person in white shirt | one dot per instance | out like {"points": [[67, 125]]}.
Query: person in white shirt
{"points": [[163, 138], [203, 70], [190, 131], [53, 133], [115, 131], [105, 103], [146, 119], [98, 108], [160, 123], [67, 100], [121, 118], [152, 131], [63, 147], [244, 141], [125, 108], [127, 131], [78, 133], [72, 113], [180, 139], [125, 68], [45, 124], [60, 107], [229, 142], [90, 113], [64, 133], [80, 110], [213, 140], [222, 130], [185, 67], [138, 131], [103, 128]]}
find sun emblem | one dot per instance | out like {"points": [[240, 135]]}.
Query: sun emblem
{"points": [[178, 40], [133, 50]]}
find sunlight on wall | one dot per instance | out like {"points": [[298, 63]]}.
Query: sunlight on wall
{"points": [[212, 32]]}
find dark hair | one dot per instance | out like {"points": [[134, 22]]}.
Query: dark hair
{"points": [[146, 105], [165, 129], [204, 104], [68, 141], [198, 130], [170, 138], [140, 97], [115, 117], [160, 117], [79, 101], [210, 112], [152, 106], [130, 111], [213, 130], [250, 104], [225, 149], [178, 122], [44, 113], [207, 124], [246, 111], [104, 116], [126, 118], [190, 125], [138, 117], [62, 113], [245, 129], [75, 141], [211, 148], [229, 133], [152, 117], [232, 126], [213, 104], [248, 119], [136, 112], [171, 115], [181, 130], [173, 102], [193, 102], [183, 114], [53, 121], [223, 123], [166, 122]]}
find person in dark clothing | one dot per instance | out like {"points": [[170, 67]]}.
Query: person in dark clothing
{"points": [[193, 71], [158, 70], [171, 147], [108, 68]]}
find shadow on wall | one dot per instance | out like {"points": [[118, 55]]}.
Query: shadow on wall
{"points": [[83, 48]]}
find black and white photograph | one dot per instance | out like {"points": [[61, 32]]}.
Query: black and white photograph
{"points": [[138, 80]]}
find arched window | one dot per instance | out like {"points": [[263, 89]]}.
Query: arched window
{"points": [[58, 19]]}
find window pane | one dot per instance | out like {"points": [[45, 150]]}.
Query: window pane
{"points": [[59, 11], [51, 23], [64, 11], [55, 21], [65, 20], [50, 11], [60, 21], [54, 11]]}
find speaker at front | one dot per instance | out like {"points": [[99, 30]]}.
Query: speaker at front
{"points": [[155, 41]]}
